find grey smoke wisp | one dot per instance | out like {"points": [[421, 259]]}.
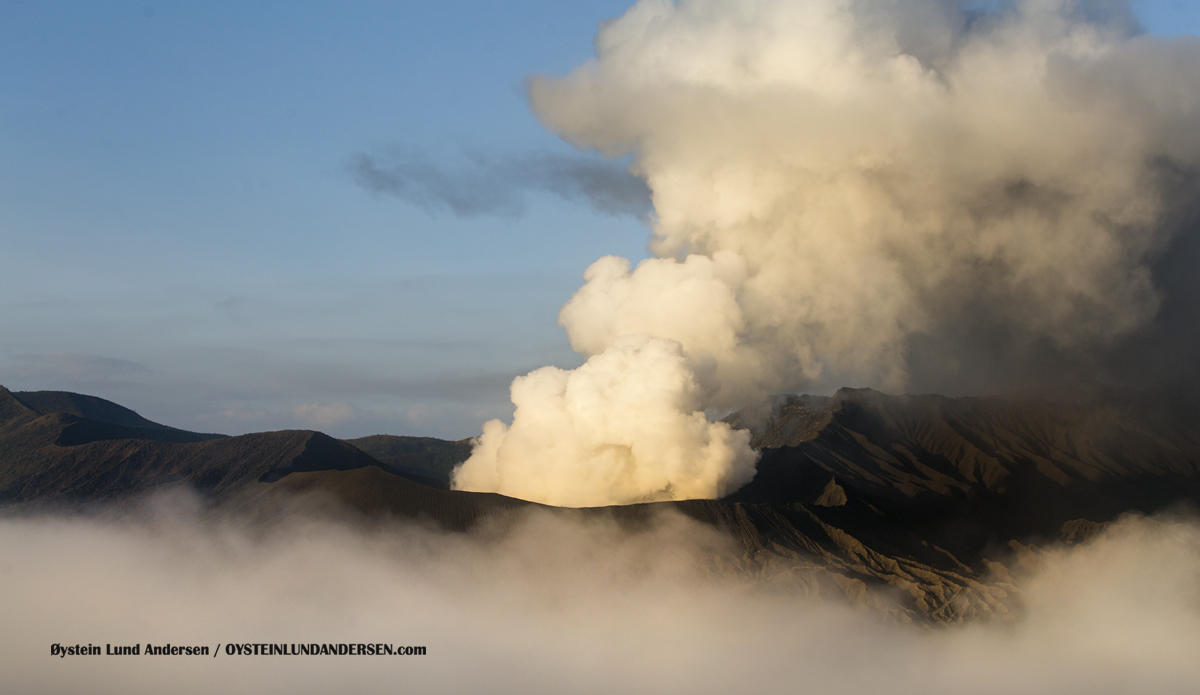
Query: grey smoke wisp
{"points": [[556, 606], [499, 185], [912, 195]]}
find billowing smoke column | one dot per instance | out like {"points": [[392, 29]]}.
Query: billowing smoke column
{"points": [[838, 186]]}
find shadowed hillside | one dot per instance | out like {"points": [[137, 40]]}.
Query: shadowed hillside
{"points": [[93, 408], [992, 468], [424, 459], [915, 506], [64, 458]]}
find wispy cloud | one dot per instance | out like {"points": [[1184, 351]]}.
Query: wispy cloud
{"points": [[499, 185], [325, 415], [80, 365], [242, 413]]}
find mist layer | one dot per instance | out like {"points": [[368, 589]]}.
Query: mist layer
{"points": [[553, 606]]}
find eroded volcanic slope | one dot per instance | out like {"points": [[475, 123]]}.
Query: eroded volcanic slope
{"points": [[935, 499], [928, 493], [1015, 467]]}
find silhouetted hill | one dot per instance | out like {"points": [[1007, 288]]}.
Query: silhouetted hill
{"points": [[91, 408], [374, 491], [427, 460], [61, 457], [924, 497]]}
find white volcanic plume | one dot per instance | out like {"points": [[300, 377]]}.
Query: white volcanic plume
{"points": [[839, 185]]}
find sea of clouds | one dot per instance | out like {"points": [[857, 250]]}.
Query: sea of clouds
{"points": [[555, 606]]}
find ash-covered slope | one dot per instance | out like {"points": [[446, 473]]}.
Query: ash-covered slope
{"points": [[917, 445], [935, 496], [1008, 467]]}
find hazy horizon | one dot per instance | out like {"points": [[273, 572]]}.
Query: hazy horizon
{"points": [[210, 217]]}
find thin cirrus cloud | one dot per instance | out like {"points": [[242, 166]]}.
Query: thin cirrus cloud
{"points": [[325, 415], [500, 185], [75, 365]]}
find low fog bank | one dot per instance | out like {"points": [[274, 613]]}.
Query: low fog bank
{"points": [[554, 605]]}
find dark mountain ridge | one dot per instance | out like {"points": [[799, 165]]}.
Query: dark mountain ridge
{"points": [[426, 460], [929, 497], [65, 458], [993, 468], [97, 409]]}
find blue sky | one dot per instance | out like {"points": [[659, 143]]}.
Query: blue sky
{"points": [[183, 229]]}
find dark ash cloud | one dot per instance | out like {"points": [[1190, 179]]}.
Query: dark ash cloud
{"points": [[499, 185]]}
